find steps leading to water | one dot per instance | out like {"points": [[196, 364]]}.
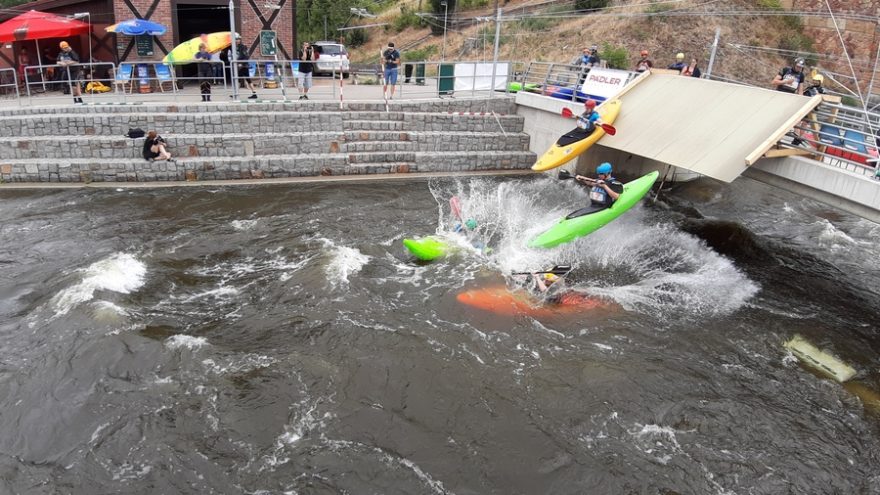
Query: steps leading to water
{"points": [[232, 141]]}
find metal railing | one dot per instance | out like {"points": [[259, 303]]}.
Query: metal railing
{"points": [[562, 81], [9, 81], [840, 136]]}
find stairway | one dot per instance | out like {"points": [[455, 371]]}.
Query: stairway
{"points": [[234, 141]]}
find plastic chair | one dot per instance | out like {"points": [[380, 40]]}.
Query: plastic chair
{"points": [[828, 134], [163, 76], [123, 77]]}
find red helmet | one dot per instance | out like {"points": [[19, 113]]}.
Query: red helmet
{"points": [[590, 103]]}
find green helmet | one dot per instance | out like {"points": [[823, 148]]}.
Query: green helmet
{"points": [[470, 223]]}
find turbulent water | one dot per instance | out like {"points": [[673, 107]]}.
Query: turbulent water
{"points": [[279, 339]]}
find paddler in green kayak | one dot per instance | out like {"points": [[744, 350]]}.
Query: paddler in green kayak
{"points": [[468, 229], [604, 190]]}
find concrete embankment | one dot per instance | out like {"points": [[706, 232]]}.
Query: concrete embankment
{"points": [[262, 140]]}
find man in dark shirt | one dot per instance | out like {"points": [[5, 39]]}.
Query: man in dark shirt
{"points": [[305, 69], [791, 79]]}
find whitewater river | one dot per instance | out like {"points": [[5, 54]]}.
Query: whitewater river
{"points": [[279, 339]]}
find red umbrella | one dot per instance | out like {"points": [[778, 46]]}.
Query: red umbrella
{"points": [[34, 25]]}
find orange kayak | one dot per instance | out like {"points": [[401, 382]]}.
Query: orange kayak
{"points": [[502, 301]]}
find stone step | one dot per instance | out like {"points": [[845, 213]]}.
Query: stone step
{"points": [[500, 104], [180, 145], [63, 125], [377, 146], [450, 162], [373, 125], [207, 168], [435, 141], [381, 156]]}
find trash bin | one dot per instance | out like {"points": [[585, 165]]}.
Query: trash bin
{"points": [[420, 74], [446, 84], [407, 72]]}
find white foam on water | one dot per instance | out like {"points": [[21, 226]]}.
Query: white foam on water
{"points": [[185, 341], [832, 237], [120, 272], [242, 225], [242, 364], [344, 262]]}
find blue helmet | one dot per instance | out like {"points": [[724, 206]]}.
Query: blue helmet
{"points": [[605, 168]]}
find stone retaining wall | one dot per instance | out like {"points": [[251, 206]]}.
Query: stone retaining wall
{"points": [[234, 141]]}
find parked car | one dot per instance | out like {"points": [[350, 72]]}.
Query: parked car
{"points": [[332, 58]]}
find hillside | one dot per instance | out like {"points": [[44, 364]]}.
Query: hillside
{"points": [[752, 48]]}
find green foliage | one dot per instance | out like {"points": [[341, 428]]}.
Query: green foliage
{"points": [[590, 4], [488, 34], [440, 11], [617, 57], [12, 3], [535, 23], [797, 42], [406, 19], [769, 4], [658, 8], [356, 38], [419, 54], [472, 4], [310, 16], [850, 101]]}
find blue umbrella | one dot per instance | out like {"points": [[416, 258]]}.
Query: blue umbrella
{"points": [[137, 27]]}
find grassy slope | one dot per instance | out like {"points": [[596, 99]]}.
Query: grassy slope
{"points": [[559, 40]]}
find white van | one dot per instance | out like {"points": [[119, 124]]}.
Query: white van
{"points": [[333, 58]]}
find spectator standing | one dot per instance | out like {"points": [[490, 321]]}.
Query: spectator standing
{"points": [[306, 57], [206, 72], [216, 68], [244, 72], [791, 79], [24, 60], [71, 72], [691, 69], [644, 63], [391, 62], [679, 62]]}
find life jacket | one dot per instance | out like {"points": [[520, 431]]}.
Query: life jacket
{"points": [[599, 196], [586, 121]]}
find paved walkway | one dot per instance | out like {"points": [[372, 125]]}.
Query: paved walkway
{"points": [[323, 90]]}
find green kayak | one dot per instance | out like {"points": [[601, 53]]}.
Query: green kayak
{"points": [[569, 229], [516, 87], [427, 248]]}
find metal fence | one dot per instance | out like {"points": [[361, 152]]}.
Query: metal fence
{"points": [[9, 83]]}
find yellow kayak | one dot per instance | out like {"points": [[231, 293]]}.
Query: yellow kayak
{"points": [[185, 52], [559, 154]]}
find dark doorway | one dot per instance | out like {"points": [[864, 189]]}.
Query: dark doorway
{"points": [[195, 19]]}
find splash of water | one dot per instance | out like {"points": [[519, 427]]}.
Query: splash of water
{"points": [[640, 265], [121, 272]]}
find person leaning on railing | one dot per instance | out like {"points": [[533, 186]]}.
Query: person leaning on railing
{"points": [[791, 79]]}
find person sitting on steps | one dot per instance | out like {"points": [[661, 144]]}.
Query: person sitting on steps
{"points": [[154, 148]]}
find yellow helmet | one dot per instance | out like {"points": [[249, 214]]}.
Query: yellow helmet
{"points": [[551, 277], [819, 78], [679, 56]]}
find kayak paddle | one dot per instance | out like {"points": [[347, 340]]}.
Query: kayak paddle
{"points": [[561, 270], [455, 206], [608, 128]]}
